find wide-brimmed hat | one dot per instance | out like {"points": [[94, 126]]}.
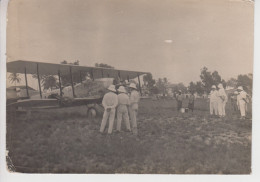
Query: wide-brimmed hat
{"points": [[220, 85], [240, 88], [214, 86], [112, 88], [132, 85], [122, 89]]}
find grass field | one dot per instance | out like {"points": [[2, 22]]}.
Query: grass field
{"points": [[65, 141]]}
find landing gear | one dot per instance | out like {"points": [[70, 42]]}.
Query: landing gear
{"points": [[92, 113]]}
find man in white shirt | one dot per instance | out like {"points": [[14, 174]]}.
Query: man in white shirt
{"points": [[109, 102], [242, 101], [222, 100], [122, 108], [213, 101], [133, 109]]}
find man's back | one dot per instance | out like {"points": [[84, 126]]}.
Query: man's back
{"points": [[123, 99], [110, 99], [134, 97]]}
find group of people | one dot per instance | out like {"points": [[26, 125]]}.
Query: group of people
{"points": [[219, 98], [122, 105], [179, 97]]}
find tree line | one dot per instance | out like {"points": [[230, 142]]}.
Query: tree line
{"points": [[207, 79]]}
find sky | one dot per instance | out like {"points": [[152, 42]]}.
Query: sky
{"points": [[169, 38]]}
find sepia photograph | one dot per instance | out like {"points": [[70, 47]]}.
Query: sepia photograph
{"points": [[129, 87]]}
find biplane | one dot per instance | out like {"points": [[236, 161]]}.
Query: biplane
{"points": [[40, 68]]}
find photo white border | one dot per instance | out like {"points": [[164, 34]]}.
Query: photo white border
{"points": [[255, 176]]}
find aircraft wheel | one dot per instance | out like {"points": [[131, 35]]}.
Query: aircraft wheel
{"points": [[92, 113]]}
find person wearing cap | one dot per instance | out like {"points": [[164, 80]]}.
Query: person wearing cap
{"points": [[222, 100], [179, 99], [213, 101], [133, 109], [122, 108], [109, 103], [242, 101]]}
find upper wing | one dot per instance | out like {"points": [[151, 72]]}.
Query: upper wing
{"points": [[31, 67]]}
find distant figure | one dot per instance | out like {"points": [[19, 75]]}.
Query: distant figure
{"points": [[133, 109], [242, 101], [179, 99], [109, 102], [122, 109], [213, 101], [191, 101], [222, 100], [233, 99]]}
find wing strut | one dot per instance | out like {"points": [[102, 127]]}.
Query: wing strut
{"points": [[92, 75], [119, 75], [102, 73], [71, 80], [26, 83], [60, 83], [80, 76], [139, 85], [39, 80]]}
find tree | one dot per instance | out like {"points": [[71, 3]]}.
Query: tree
{"points": [[232, 82], [149, 82], [246, 81], [49, 82], [208, 79], [192, 87], [64, 62], [162, 85], [224, 83], [14, 78], [177, 87], [216, 78], [103, 65], [200, 89]]}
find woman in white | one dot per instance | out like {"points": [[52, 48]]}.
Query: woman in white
{"points": [[213, 101], [222, 100]]}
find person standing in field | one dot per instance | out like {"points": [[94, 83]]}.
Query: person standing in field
{"points": [[133, 109], [233, 99], [222, 100], [122, 108], [242, 101], [213, 101], [191, 101], [109, 102], [179, 99]]}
